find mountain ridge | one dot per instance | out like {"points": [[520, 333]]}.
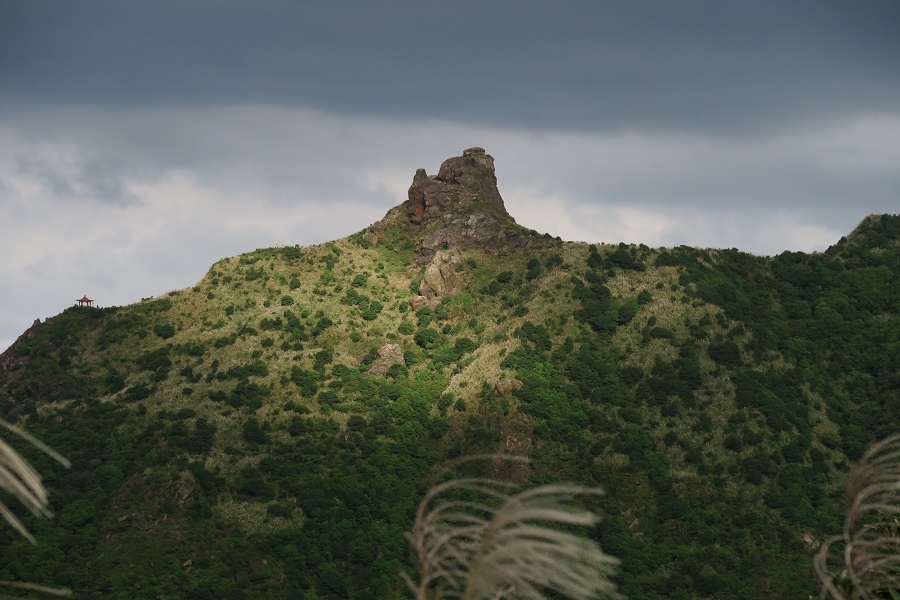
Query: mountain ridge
{"points": [[275, 425]]}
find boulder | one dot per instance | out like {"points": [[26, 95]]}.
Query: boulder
{"points": [[388, 355], [443, 277], [417, 302]]}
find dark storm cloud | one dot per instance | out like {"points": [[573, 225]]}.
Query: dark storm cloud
{"points": [[711, 66], [142, 141]]}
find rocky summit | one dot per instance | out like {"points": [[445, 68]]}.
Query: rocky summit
{"points": [[461, 206], [462, 181]]}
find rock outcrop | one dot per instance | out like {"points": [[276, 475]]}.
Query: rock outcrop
{"points": [[388, 355], [461, 206], [461, 181], [443, 277]]}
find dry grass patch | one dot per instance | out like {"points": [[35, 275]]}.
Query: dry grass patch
{"points": [[253, 516], [484, 367]]}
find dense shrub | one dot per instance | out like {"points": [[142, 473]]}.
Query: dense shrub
{"points": [[307, 381], [138, 392], [661, 333], [623, 259], [224, 341], [322, 359], [424, 315], [725, 353], [253, 433], [321, 325], [536, 334], [627, 311], [534, 269], [444, 355], [372, 311], [491, 289], [464, 345], [164, 330], [396, 370], [427, 337], [631, 374], [258, 369], [356, 423], [157, 361], [249, 483]]}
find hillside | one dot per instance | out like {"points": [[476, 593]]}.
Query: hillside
{"points": [[269, 432]]}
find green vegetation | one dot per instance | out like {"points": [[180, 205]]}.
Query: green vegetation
{"points": [[236, 440]]}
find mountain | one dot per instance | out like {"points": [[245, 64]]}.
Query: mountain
{"points": [[269, 432]]}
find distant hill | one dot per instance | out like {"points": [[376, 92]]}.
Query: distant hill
{"points": [[269, 432]]}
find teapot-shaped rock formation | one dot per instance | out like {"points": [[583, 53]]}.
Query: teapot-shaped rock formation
{"points": [[462, 181], [461, 206]]}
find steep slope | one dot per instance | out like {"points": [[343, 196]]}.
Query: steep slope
{"points": [[269, 431]]}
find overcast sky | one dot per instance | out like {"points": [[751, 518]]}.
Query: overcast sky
{"points": [[142, 141]]}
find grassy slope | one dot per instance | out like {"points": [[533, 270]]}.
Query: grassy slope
{"points": [[231, 425]]}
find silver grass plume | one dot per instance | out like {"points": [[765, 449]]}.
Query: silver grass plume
{"points": [[490, 541], [21, 480], [864, 561]]}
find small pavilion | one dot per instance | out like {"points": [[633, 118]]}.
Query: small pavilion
{"points": [[85, 301]]}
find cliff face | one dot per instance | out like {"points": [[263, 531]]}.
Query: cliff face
{"points": [[461, 206], [463, 182]]}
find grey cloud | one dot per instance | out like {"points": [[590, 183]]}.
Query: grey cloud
{"points": [[51, 178], [279, 155], [298, 157], [190, 131], [77, 179], [701, 65], [685, 174]]}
